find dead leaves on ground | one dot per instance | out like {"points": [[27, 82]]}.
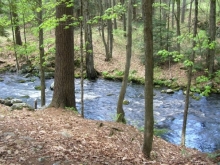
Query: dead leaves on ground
{"points": [[56, 136]]}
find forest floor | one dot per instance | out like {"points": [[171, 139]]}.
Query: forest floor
{"points": [[62, 137]]}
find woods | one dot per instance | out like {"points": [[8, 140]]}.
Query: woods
{"points": [[60, 36]]}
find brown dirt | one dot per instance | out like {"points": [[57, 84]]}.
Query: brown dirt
{"points": [[57, 136]]}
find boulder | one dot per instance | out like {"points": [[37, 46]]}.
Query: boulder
{"points": [[169, 91], [13, 101], [20, 106]]}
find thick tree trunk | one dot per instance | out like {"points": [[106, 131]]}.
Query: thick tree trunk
{"points": [[64, 87], [90, 70], [120, 111], [189, 77], [148, 45], [17, 29], [212, 34]]}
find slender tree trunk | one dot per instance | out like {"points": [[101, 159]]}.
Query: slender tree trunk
{"points": [[183, 11], [64, 87], [115, 21], [173, 13], [41, 49], [189, 77], [81, 62], [107, 58], [90, 70], [124, 18], [134, 10], [212, 35], [190, 16], [148, 45], [178, 24], [168, 28], [110, 33], [14, 42], [120, 111], [25, 38]]}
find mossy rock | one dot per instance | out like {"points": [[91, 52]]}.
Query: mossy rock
{"points": [[126, 102], [21, 81], [196, 97], [37, 88]]}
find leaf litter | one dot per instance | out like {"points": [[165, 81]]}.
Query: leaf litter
{"points": [[61, 137]]}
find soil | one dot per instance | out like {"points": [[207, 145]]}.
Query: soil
{"points": [[62, 137]]}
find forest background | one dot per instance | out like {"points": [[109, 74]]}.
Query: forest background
{"points": [[172, 31]]}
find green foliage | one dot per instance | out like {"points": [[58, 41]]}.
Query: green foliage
{"points": [[174, 55], [118, 73], [202, 79], [157, 131], [188, 63], [105, 73], [71, 109]]}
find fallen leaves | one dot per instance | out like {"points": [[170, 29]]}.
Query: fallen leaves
{"points": [[54, 136]]}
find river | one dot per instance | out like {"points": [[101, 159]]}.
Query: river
{"points": [[100, 98]]}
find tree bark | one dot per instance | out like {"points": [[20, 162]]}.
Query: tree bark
{"points": [[189, 77], [64, 87], [212, 35], [183, 11], [148, 45], [120, 111], [41, 50], [178, 24], [90, 70], [81, 60]]}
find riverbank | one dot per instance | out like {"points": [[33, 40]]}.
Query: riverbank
{"points": [[57, 136]]}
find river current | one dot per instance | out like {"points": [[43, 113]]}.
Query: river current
{"points": [[100, 99]]}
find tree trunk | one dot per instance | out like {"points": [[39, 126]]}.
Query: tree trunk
{"points": [[41, 49], [13, 35], [124, 18], [81, 62], [189, 77], [183, 11], [115, 21], [64, 87], [110, 32], [90, 70], [178, 24], [173, 13], [212, 34], [190, 15], [17, 28], [120, 111], [148, 45], [134, 10], [107, 57]]}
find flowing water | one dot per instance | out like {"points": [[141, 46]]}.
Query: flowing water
{"points": [[100, 99]]}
